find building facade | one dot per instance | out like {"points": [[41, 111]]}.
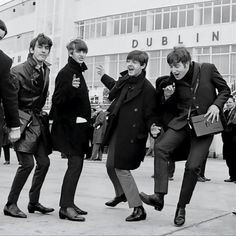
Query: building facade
{"points": [[113, 28]]}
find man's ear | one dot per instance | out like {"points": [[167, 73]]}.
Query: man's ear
{"points": [[31, 50], [144, 66]]}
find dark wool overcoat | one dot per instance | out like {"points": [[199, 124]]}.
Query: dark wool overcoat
{"points": [[69, 104], [136, 115], [8, 95]]}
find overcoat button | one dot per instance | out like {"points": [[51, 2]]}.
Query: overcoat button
{"points": [[135, 109]]}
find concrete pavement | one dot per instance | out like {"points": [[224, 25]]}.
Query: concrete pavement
{"points": [[208, 214]]}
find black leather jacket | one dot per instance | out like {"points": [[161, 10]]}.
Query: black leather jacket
{"points": [[31, 98]]}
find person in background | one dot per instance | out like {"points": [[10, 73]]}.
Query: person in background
{"points": [[98, 134], [91, 130], [8, 95], [71, 113], [229, 139], [132, 115], [193, 92], [32, 79]]}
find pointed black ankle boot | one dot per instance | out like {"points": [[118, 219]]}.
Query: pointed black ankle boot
{"points": [[138, 214]]}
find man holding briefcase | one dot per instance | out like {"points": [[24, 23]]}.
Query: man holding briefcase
{"points": [[193, 92]]}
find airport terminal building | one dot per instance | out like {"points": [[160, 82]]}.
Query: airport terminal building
{"points": [[112, 28]]}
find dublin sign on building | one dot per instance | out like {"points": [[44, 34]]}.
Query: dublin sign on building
{"points": [[165, 40]]}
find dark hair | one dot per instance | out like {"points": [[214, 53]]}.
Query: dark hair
{"points": [[178, 54], [232, 97], [140, 56], [78, 45], [42, 39], [3, 27]]}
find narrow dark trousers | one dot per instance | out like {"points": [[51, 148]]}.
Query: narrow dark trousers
{"points": [[163, 150], [23, 172], [70, 181]]}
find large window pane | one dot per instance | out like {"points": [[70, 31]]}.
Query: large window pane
{"points": [[182, 18], [233, 13], [173, 23], [158, 22], [143, 23], [129, 25], [190, 17], [136, 24], [99, 30], [123, 26], [232, 65], [116, 27], [92, 31], [217, 15], [226, 14], [166, 21], [207, 16]]}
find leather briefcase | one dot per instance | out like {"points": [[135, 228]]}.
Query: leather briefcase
{"points": [[25, 119], [203, 127]]}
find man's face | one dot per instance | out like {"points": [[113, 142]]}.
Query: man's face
{"points": [[78, 56], [179, 70], [40, 52], [134, 67], [2, 34], [230, 104]]}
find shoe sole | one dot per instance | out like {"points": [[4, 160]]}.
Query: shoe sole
{"points": [[64, 217], [143, 218]]}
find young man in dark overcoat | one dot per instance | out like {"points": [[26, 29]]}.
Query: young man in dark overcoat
{"points": [[71, 113], [193, 93], [131, 116]]}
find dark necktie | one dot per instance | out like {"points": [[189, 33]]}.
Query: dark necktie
{"points": [[40, 78]]}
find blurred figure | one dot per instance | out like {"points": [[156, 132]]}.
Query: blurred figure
{"points": [[71, 113], [229, 139], [98, 134], [8, 95], [91, 130], [150, 151]]}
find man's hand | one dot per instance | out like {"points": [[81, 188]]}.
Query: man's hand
{"points": [[169, 90], [75, 81], [100, 70], [155, 130], [14, 134], [212, 113]]}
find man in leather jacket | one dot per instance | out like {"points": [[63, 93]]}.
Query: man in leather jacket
{"points": [[32, 79]]}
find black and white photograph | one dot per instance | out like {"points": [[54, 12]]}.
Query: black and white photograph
{"points": [[118, 118]]}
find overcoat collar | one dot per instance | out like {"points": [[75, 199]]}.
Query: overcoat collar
{"points": [[137, 88], [79, 67]]}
